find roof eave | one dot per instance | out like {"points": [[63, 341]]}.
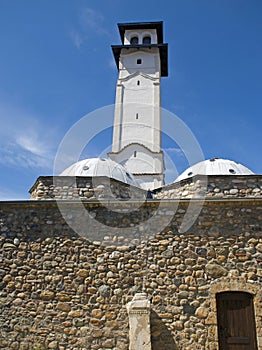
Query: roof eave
{"points": [[122, 27]]}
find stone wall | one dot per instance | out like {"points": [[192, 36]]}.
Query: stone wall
{"points": [[214, 186], [70, 187], [59, 290], [88, 188]]}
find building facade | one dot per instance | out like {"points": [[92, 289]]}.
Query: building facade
{"points": [[91, 263], [62, 290]]}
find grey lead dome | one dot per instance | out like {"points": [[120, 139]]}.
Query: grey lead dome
{"points": [[100, 167], [215, 166]]}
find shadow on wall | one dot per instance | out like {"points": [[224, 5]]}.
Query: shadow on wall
{"points": [[161, 337]]}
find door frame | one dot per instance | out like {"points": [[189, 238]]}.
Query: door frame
{"points": [[226, 300], [233, 285]]}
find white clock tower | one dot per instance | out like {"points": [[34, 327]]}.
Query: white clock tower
{"points": [[141, 61]]}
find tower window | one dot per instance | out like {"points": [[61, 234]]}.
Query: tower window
{"points": [[135, 154], [137, 116], [138, 82], [146, 40], [134, 40], [139, 61]]}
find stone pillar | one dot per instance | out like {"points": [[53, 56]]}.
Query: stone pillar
{"points": [[139, 322]]}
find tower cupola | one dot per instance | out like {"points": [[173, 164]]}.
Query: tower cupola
{"points": [[140, 35]]}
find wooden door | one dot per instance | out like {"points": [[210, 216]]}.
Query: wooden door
{"points": [[236, 321]]}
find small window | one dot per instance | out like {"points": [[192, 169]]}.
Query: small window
{"points": [[129, 176], [134, 40], [135, 154], [232, 171], [137, 116], [147, 40], [139, 61], [138, 82]]}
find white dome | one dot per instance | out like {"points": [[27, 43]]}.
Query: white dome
{"points": [[100, 167], [215, 166]]}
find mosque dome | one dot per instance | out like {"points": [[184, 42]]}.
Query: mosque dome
{"points": [[215, 166], [100, 167]]}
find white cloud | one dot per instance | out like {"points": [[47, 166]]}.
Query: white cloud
{"points": [[90, 22], [9, 195], [112, 64], [174, 159], [77, 39], [170, 175], [13, 154], [31, 142], [174, 151], [22, 141]]}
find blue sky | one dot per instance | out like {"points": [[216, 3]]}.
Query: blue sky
{"points": [[56, 66]]}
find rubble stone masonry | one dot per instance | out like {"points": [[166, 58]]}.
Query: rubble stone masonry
{"points": [[59, 290]]}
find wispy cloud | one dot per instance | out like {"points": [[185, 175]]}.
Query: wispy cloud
{"points": [[112, 64], [90, 21], [174, 151], [170, 175], [76, 38], [22, 141], [174, 162], [9, 195]]}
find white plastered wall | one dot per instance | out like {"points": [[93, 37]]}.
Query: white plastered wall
{"points": [[140, 33], [137, 110]]}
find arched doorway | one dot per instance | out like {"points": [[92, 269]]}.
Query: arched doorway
{"points": [[236, 321]]}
